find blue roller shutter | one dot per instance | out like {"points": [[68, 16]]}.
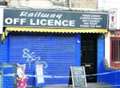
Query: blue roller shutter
{"points": [[9, 80], [57, 53], [4, 51]]}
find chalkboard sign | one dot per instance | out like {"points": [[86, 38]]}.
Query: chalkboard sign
{"points": [[1, 79], [78, 77]]}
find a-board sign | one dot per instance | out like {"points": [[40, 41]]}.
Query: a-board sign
{"points": [[78, 77], [1, 79]]}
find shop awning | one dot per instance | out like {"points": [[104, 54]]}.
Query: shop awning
{"points": [[56, 30]]}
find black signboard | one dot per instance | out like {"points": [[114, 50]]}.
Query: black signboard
{"points": [[55, 18], [78, 77]]}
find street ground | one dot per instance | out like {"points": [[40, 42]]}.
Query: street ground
{"points": [[89, 85]]}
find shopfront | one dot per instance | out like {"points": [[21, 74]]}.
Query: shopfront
{"points": [[55, 39]]}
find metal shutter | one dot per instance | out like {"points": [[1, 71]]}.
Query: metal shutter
{"points": [[58, 51], [3, 51]]}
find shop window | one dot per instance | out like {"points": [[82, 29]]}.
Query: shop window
{"points": [[115, 52], [3, 3]]}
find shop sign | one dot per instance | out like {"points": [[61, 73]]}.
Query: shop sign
{"points": [[53, 18]]}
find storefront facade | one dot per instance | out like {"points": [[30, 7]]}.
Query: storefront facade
{"points": [[55, 39], [109, 65]]}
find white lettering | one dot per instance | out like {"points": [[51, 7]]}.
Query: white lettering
{"points": [[65, 23], [8, 21], [72, 23], [37, 14], [16, 20], [50, 22], [40, 14], [37, 22], [30, 14], [45, 15], [59, 16], [52, 15], [23, 14], [57, 22], [31, 22], [43, 22], [22, 21]]}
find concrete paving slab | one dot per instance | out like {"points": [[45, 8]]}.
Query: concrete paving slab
{"points": [[89, 85]]}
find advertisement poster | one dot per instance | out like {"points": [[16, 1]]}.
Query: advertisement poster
{"points": [[39, 73]]}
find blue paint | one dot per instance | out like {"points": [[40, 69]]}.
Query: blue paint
{"points": [[8, 47], [100, 53], [9, 81], [114, 77], [78, 50], [3, 51], [101, 56]]}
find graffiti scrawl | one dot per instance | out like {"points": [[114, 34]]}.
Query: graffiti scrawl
{"points": [[30, 57]]}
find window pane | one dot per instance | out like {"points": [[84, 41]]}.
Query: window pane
{"points": [[116, 51], [119, 51], [115, 47]]}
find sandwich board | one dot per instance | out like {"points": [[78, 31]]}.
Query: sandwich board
{"points": [[78, 77]]}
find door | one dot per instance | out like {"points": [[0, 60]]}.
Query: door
{"points": [[89, 55]]}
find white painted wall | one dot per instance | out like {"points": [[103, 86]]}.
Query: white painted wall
{"points": [[114, 24], [1, 20], [111, 6], [108, 4], [107, 49], [30, 3], [102, 4], [47, 4]]}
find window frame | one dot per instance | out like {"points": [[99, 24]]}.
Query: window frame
{"points": [[113, 64]]}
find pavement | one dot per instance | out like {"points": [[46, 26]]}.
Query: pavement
{"points": [[89, 85]]}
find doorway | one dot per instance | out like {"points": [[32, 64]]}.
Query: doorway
{"points": [[89, 55]]}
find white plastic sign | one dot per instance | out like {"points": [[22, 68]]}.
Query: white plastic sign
{"points": [[39, 73]]}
